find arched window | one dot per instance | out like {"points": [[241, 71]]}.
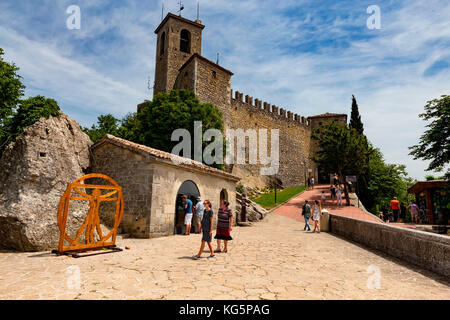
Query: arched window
{"points": [[162, 44], [185, 41]]}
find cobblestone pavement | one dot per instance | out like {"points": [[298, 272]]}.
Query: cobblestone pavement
{"points": [[273, 259]]}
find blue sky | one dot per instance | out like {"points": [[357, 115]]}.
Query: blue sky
{"points": [[308, 56]]}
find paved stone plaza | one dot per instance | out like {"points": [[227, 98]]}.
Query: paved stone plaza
{"points": [[274, 259]]}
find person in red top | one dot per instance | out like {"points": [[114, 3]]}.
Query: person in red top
{"points": [[395, 205]]}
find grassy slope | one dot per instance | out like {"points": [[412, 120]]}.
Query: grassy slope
{"points": [[267, 200]]}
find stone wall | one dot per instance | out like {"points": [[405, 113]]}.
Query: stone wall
{"points": [[294, 135], [150, 189], [427, 250], [132, 172], [166, 182]]}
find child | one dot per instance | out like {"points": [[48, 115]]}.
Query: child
{"points": [[323, 196], [317, 212], [207, 224]]}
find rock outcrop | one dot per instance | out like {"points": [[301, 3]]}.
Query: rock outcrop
{"points": [[254, 211], [34, 173]]}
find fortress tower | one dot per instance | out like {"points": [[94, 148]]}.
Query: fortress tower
{"points": [[180, 65], [178, 40]]}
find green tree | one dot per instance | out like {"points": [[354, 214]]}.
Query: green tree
{"points": [[355, 117], [175, 110], [106, 124], [342, 150], [434, 144], [11, 90], [28, 112]]}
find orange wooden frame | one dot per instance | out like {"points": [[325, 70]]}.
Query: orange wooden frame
{"points": [[92, 220]]}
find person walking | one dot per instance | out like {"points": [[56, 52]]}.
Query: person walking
{"points": [[395, 205], [309, 183], [199, 209], [187, 214], [335, 179], [207, 225], [317, 212], [339, 195], [414, 208], [224, 226], [333, 192], [312, 183], [306, 212], [385, 211]]}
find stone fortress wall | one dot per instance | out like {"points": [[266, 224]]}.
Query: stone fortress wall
{"points": [[294, 136]]}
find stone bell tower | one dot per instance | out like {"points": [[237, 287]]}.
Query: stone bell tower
{"points": [[178, 40]]}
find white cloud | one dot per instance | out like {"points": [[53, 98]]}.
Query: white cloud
{"points": [[304, 55]]}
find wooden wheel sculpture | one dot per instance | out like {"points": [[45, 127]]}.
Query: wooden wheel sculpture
{"points": [[92, 220]]}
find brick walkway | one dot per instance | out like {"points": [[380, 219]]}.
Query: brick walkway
{"points": [[293, 208], [273, 259]]}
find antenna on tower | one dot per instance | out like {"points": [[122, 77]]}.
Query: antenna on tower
{"points": [[149, 87], [198, 10], [181, 8], [218, 54], [162, 12]]}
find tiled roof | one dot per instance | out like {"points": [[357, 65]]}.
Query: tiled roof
{"points": [[196, 55], [326, 115], [162, 155]]}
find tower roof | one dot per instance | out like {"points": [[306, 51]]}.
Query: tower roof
{"points": [[171, 15], [197, 56]]}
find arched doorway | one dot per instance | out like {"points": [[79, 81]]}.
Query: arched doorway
{"points": [[223, 195], [190, 189]]}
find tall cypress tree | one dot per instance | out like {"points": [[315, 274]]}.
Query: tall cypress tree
{"points": [[355, 118]]}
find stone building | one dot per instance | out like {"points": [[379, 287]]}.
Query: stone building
{"points": [[180, 65], [153, 182]]}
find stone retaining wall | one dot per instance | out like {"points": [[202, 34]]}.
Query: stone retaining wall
{"points": [[427, 250]]}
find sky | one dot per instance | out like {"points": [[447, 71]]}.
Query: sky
{"points": [[306, 56]]}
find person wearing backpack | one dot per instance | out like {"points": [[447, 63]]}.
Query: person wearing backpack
{"points": [[306, 212]]}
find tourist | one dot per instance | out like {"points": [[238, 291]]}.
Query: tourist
{"points": [[199, 209], [339, 195], [180, 216], [385, 213], [206, 226], [322, 197], [395, 205], [402, 216], [224, 226], [335, 179], [309, 183], [312, 183], [187, 214], [317, 212], [306, 212], [333, 192], [414, 212]]}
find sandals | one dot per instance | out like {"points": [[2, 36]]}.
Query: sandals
{"points": [[217, 251], [211, 256], [196, 257]]}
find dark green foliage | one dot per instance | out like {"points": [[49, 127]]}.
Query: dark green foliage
{"points": [[17, 114], [342, 150], [168, 112], [434, 144], [106, 124], [154, 125], [355, 117], [30, 111], [11, 89]]}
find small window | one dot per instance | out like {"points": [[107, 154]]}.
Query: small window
{"points": [[162, 44], [185, 41], [214, 74]]}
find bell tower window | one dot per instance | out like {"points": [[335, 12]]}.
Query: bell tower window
{"points": [[185, 41], [162, 44]]}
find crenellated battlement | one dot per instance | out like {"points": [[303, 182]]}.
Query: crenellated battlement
{"points": [[273, 110]]}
